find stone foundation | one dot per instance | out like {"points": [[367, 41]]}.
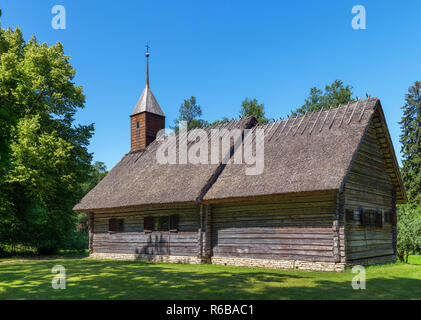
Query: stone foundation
{"points": [[144, 257], [229, 261], [279, 264]]}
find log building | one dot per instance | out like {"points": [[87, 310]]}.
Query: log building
{"points": [[325, 200]]}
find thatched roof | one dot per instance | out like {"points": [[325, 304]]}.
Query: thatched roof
{"points": [[138, 179], [310, 153]]}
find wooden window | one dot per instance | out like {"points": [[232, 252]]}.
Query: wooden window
{"points": [[148, 224], [387, 216], [174, 222], [137, 125], [160, 223], [115, 225], [371, 218], [362, 216], [163, 223], [378, 219], [349, 214], [112, 225], [120, 225]]}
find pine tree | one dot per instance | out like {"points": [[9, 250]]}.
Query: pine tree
{"points": [[411, 143]]}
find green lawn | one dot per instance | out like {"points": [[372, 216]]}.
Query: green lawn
{"points": [[94, 279]]}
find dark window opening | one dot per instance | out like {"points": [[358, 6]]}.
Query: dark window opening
{"points": [[137, 125], [349, 215], [115, 225], [160, 223], [174, 222], [371, 218]]}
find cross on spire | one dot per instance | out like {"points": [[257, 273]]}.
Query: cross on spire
{"points": [[147, 47]]}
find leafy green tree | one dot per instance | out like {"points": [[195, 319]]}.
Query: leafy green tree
{"points": [[334, 95], [47, 157], [190, 112], [409, 231], [411, 143], [97, 172], [8, 114], [251, 107]]}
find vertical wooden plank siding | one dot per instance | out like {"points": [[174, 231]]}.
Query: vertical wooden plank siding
{"points": [[200, 233], [296, 228], [394, 226], [208, 233], [134, 240], [91, 232], [369, 186]]}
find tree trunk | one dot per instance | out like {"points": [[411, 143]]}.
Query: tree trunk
{"points": [[401, 254], [406, 257]]}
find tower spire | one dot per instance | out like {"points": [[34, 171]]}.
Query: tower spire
{"points": [[147, 64]]}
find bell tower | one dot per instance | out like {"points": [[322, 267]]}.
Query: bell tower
{"points": [[147, 117]]}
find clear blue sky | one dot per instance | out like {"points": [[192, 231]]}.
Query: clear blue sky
{"points": [[222, 52]]}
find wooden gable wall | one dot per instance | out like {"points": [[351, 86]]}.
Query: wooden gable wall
{"points": [[369, 186]]}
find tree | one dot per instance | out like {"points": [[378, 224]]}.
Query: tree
{"points": [[47, 157], [409, 231], [97, 172], [251, 107], [411, 143], [334, 95], [409, 224], [190, 112], [8, 115]]}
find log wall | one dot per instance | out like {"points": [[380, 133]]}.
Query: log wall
{"points": [[369, 186], [135, 241], [295, 228]]}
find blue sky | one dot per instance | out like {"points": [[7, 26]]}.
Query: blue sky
{"points": [[222, 52]]}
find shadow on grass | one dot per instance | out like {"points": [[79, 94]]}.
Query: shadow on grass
{"points": [[90, 279]]}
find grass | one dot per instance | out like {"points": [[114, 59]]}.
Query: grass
{"points": [[94, 279]]}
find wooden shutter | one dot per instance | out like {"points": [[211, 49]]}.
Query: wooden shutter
{"points": [[174, 222], [148, 224], [112, 225], [379, 219]]}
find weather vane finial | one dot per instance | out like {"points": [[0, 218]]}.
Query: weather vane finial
{"points": [[147, 64]]}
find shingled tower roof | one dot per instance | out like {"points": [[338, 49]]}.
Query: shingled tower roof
{"points": [[147, 101]]}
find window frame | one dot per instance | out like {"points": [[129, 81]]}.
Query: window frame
{"points": [[116, 225], [161, 223]]}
